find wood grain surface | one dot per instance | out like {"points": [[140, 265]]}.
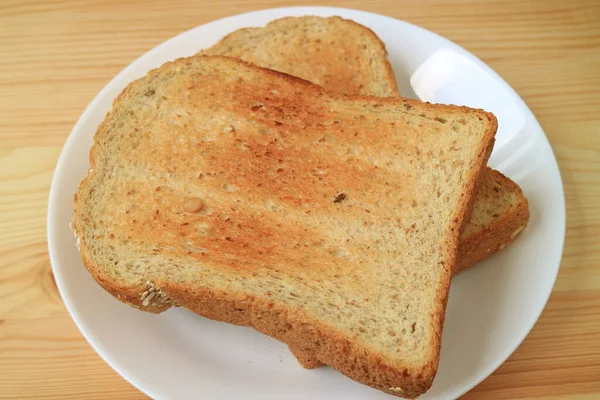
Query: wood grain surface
{"points": [[56, 55]]}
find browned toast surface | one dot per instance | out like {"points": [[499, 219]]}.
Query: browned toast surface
{"points": [[338, 54], [348, 58], [255, 198]]}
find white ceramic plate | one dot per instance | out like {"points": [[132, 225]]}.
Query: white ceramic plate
{"points": [[178, 355]]}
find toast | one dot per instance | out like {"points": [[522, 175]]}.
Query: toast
{"points": [[347, 58], [255, 198], [340, 55]]}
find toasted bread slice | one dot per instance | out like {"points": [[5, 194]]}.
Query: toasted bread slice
{"points": [[348, 58], [253, 197], [338, 54]]}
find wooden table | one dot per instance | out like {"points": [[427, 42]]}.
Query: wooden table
{"points": [[56, 55]]}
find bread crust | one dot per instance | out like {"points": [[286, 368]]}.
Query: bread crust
{"points": [[305, 334], [500, 233]]}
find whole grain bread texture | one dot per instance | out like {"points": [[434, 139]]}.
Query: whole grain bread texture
{"points": [[338, 54], [500, 214], [255, 198], [347, 58]]}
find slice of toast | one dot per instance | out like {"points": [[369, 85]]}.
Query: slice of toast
{"points": [[340, 55], [253, 197], [348, 58]]}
